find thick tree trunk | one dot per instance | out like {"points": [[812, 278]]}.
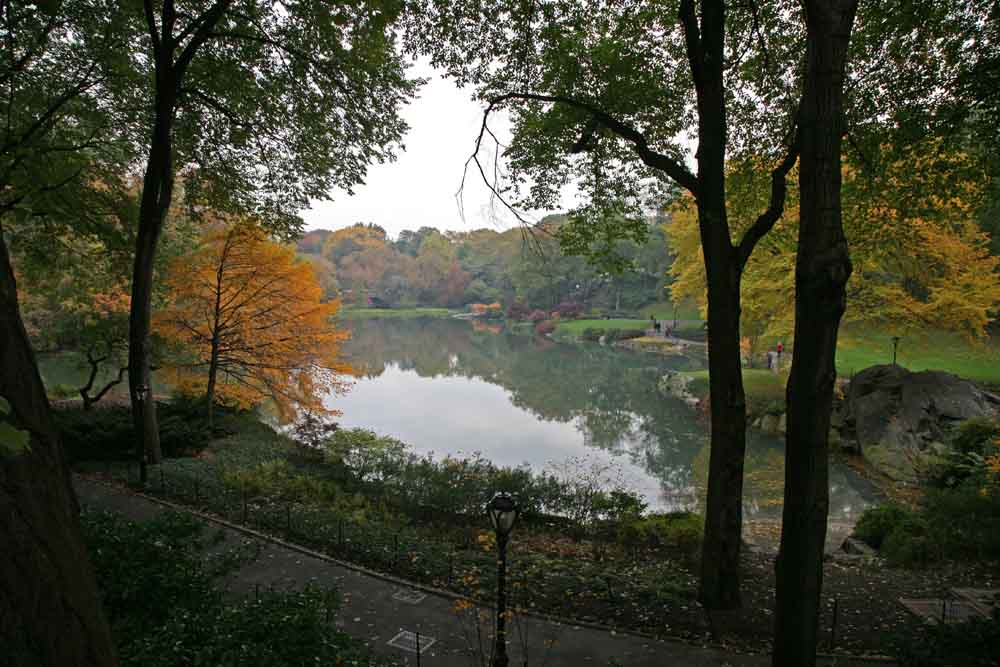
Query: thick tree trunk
{"points": [[157, 191], [822, 268], [720, 556], [720, 559], [50, 611]]}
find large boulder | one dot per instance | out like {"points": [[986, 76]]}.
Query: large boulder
{"points": [[897, 416]]}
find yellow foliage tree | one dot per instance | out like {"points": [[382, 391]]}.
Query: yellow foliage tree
{"points": [[920, 260], [248, 318]]}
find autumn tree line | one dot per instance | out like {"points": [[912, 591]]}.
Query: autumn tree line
{"points": [[429, 267], [126, 122]]}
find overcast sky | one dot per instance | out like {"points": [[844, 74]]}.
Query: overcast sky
{"points": [[418, 189]]}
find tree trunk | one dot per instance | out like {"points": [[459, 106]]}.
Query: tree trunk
{"points": [[50, 611], [822, 268], [213, 371], [157, 191], [720, 558]]}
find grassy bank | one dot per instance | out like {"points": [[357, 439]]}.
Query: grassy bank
{"points": [[945, 351], [369, 313], [573, 329], [765, 391]]}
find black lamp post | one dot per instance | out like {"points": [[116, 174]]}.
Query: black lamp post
{"points": [[503, 511], [895, 344], [141, 392]]}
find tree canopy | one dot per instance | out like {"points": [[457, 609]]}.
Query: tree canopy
{"points": [[247, 317]]}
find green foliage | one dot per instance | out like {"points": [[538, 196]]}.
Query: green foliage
{"points": [[970, 644], [61, 391], [163, 595], [365, 313], [965, 459], [910, 544], [877, 523], [959, 523], [13, 441], [679, 531], [974, 435], [106, 432]]}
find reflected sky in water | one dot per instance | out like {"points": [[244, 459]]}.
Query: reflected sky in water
{"points": [[458, 387]]}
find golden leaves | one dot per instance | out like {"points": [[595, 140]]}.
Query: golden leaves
{"points": [[243, 305]]}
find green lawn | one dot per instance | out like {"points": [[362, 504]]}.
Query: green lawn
{"points": [[665, 311], [946, 351], [574, 328], [764, 389], [367, 313]]}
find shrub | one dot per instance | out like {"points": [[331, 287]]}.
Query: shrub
{"points": [[970, 644], [518, 311], [569, 310], [591, 334], [973, 435], [106, 433], [545, 327], [681, 531], [622, 334], [165, 607], [877, 523], [909, 544], [537, 316], [61, 391]]}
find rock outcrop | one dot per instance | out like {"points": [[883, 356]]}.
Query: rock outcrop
{"points": [[896, 417]]}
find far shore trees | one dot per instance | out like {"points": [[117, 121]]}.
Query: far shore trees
{"points": [[249, 322]]}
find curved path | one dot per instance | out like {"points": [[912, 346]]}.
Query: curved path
{"points": [[375, 609]]}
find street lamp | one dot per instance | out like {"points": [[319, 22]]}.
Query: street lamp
{"points": [[503, 511], [895, 344], [141, 393]]}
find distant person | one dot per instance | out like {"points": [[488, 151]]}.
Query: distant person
{"points": [[656, 326], [779, 348], [772, 360]]}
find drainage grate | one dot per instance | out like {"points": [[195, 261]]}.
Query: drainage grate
{"points": [[409, 596], [407, 641]]}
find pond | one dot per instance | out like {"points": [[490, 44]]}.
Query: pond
{"points": [[448, 386]]}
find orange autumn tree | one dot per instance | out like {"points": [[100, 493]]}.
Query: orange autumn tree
{"points": [[248, 318]]}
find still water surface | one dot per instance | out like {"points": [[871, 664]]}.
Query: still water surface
{"points": [[457, 387]]}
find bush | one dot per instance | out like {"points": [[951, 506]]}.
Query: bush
{"points": [[681, 531], [877, 523], [569, 310], [537, 316], [166, 609], [973, 435], [100, 434], [105, 433], [545, 327], [970, 644], [909, 544], [518, 311], [61, 391], [591, 334]]}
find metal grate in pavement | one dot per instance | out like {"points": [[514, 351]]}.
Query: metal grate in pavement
{"points": [[409, 596], [411, 642]]}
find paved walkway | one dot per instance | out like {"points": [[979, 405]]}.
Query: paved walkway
{"points": [[372, 611]]}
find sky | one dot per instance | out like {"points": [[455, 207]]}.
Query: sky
{"points": [[419, 188]]}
